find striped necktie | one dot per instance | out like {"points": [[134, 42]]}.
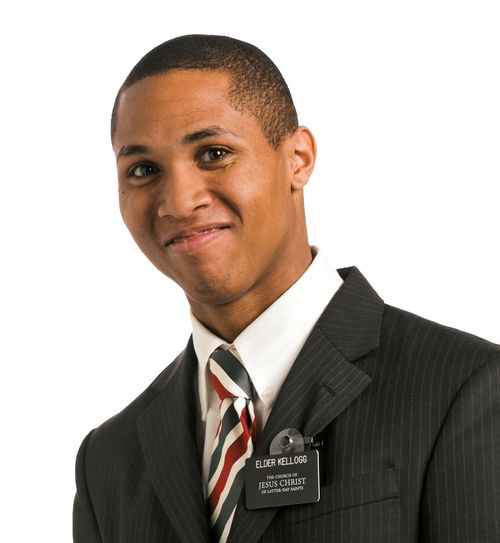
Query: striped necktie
{"points": [[233, 440]]}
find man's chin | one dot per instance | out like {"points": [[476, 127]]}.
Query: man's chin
{"points": [[208, 294]]}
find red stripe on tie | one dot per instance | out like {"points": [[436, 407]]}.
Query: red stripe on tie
{"points": [[222, 392], [235, 451], [244, 418], [253, 431]]}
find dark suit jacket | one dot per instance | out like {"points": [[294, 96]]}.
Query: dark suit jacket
{"points": [[409, 412]]}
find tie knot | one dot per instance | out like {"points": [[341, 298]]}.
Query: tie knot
{"points": [[229, 377]]}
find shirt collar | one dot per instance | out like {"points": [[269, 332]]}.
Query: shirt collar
{"points": [[270, 344]]}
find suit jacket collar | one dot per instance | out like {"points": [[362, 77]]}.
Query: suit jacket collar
{"points": [[348, 329], [321, 384], [353, 319], [167, 431]]}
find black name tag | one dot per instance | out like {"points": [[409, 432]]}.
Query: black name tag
{"points": [[282, 479]]}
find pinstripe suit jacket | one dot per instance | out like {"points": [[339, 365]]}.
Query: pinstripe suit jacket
{"points": [[409, 412]]}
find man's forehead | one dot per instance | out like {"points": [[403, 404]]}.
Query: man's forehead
{"points": [[183, 94], [178, 85], [185, 106]]}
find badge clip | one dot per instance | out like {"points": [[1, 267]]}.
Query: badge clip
{"points": [[290, 441]]}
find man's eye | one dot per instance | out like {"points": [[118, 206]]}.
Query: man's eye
{"points": [[213, 154], [142, 170]]}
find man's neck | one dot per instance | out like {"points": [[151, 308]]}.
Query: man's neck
{"points": [[228, 320]]}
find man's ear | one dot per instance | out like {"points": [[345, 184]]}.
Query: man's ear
{"points": [[302, 155]]}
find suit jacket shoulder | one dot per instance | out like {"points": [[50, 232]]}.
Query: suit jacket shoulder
{"points": [[123, 425], [445, 357]]}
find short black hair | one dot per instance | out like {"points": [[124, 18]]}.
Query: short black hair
{"points": [[257, 86]]}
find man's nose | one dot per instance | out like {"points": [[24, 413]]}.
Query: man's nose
{"points": [[182, 192]]}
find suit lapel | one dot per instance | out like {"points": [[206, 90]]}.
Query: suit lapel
{"points": [[323, 380], [167, 431]]}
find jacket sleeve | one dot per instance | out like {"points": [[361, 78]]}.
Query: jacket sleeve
{"points": [[461, 499], [85, 528]]}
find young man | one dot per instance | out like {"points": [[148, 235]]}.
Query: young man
{"points": [[397, 417]]}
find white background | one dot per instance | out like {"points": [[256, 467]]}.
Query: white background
{"points": [[404, 100]]}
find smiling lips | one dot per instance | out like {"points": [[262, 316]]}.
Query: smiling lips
{"points": [[195, 238]]}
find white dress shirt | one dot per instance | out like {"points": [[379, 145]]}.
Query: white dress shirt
{"points": [[267, 347]]}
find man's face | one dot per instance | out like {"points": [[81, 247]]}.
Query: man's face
{"points": [[207, 199]]}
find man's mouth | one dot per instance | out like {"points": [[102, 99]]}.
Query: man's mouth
{"points": [[183, 237]]}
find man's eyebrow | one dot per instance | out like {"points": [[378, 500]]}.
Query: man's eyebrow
{"points": [[191, 137], [206, 133], [128, 150]]}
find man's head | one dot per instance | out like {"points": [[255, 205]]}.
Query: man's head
{"points": [[210, 188], [257, 86]]}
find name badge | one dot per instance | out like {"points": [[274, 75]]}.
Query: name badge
{"points": [[282, 479]]}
